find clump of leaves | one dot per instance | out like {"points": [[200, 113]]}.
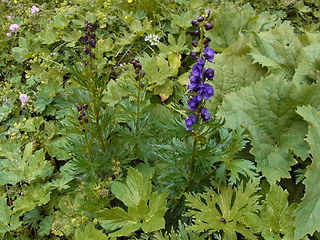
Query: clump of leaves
{"points": [[225, 210], [145, 208]]}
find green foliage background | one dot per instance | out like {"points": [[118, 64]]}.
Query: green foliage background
{"points": [[132, 171]]}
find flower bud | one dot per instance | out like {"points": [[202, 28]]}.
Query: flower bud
{"points": [[86, 119], [197, 33], [200, 19], [83, 113], [79, 107], [194, 43], [208, 26], [85, 106], [142, 84], [79, 117], [194, 22], [137, 77], [193, 54]]}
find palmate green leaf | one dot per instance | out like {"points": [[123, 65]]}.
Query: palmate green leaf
{"points": [[14, 169], [232, 73], [8, 220], [278, 49], [308, 212], [134, 190], [145, 209], [35, 195], [209, 210], [267, 110], [276, 219], [89, 232]]}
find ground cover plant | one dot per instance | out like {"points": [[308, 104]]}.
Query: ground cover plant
{"points": [[159, 119]]}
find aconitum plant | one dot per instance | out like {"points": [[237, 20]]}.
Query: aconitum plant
{"points": [[199, 90]]}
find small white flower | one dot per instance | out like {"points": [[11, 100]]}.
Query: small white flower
{"points": [[34, 10], [153, 39], [14, 27]]}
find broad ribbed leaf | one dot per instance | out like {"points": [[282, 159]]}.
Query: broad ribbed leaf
{"points": [[231, 21], [267, 110], [278, 49], [232, 73], [308, 212]]}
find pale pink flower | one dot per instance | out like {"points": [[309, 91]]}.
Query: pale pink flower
{"points": [[14, 27], [34, 10], [8, 17], [4, 0], [8, 34], [23, 98]]}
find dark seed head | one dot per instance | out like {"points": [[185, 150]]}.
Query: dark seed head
{"points": [[85, 106], [86, 119]]}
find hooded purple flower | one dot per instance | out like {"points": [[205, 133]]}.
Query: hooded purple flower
{"points": [[190, 120], [206, 90], [205, 114], [208, 54], [193, 103]]}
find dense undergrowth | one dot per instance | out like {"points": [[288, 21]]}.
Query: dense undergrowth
{"points": [[159, 119]]}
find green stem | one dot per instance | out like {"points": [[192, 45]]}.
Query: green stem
{"points": [[192, 163]]}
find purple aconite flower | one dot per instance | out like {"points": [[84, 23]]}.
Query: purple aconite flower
{"points": [[206, 90], [205, 114], [34, 10], [14, 27], [23, 98], [208, 54], [190, 120], [194, 102], [209, 73], [8, 17]]}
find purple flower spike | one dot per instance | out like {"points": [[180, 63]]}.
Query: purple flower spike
{"points": [[205, 114], [208, 54], [209, 73], [190, 120]]}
